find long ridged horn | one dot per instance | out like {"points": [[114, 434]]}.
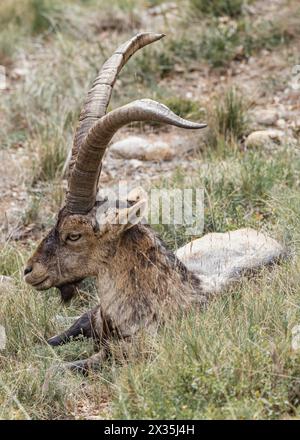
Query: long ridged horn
{"points": [[84, 179], [99, 95]]}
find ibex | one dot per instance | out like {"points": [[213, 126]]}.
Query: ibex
{"points": [[140, 281]]}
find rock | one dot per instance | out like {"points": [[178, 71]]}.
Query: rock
{"points": [[159, 151], [220, 258], [135, 163], [295, 124], [265, 138], [19, 72], [2, 338], [266, 117], [6, 281], [281, 123], [162, 9], [135, 147], [296, 337]]}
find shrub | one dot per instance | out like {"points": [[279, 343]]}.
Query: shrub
{"points": [[186, 108], [227, 119], [217, 8], [231, 115]]}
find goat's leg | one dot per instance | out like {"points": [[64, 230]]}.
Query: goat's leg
{"points": [[91, 324], [83, 366], [104, 332], [94, 362], [83, 326]]}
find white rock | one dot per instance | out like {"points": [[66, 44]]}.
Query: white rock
{"points": [[265, 138], [162, 9], [135, 163], [6, 281], [281, 123], [297, 123], [220, 258], [159, 150], [266, 117], [19, 72], [2, 338], [135, 147], [296, 337]]}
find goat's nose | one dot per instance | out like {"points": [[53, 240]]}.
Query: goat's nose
{"points": [[27, 270]]}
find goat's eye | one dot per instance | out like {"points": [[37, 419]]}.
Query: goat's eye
{"points": [[73, 237]]}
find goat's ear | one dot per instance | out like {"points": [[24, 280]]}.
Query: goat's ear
{"points": [[128, 217]]}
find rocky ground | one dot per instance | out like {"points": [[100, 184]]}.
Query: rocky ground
{"points": [[266, 79]]}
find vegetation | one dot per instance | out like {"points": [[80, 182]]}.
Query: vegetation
{"points": [[232, 8], [233, 361], [228, 119]]}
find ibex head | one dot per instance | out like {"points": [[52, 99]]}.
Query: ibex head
{"points": [[73, 249]]}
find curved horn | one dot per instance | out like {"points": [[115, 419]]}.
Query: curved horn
{"points": [[99, 95], [84, 180]]}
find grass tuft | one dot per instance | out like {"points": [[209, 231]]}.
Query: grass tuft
{"points": [[50, 161], [186, 108], [231, 115], [228, 119], [217, 8]]}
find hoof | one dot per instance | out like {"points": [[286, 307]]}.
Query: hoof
{"points": [[77, 367], [55, 341]]}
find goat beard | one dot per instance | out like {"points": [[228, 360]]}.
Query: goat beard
{"points": [[67, 291]]}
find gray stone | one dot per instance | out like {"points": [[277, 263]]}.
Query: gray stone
{"points": [[265, 138], [220, 258], [134, 147], [135, 163], [281, 123], [19, 72], [163, 8], [266, 117], [2, 338], [296, 337], [6, 281]]}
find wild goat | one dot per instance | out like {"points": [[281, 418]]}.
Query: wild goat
{"points": [[140, 281]]}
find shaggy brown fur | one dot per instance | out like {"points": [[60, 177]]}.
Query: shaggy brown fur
{"points": [[140, 281]]}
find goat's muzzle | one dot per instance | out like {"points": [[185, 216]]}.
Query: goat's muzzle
{"points": [[37, 276]]}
